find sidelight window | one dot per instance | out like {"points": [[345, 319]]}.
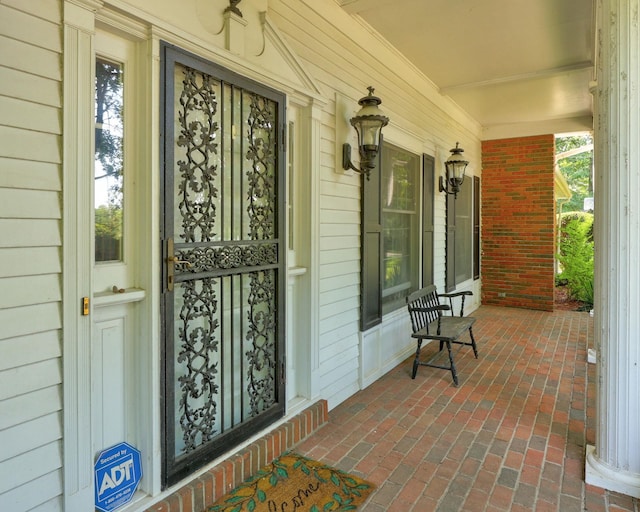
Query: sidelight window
{"points": [[109, 161]]}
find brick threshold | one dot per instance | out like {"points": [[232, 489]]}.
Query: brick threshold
{"points": [[202, 491]]}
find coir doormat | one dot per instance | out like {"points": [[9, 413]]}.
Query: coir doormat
{"points": [[293, 483]]}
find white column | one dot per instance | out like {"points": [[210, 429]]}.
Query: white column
{"points": [[614, 462]]}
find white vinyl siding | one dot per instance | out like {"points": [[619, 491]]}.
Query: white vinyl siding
{"points": [[30, 256], [321, 35]]}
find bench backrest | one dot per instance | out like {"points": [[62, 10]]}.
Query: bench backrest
{"points": [[426, 297]]}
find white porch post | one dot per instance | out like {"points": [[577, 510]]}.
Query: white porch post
{"points": [[614, 462]]}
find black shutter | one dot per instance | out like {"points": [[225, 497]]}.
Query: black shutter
{"points": [[450, 245], [476, 227], [428, 190], [371, 247]]}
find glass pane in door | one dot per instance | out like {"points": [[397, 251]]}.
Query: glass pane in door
{"points": [[109, 161]]}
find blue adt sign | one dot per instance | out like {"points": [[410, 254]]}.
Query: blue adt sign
{"points": [[118, 471]]}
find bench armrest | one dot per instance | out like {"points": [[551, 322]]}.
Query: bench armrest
{"points": [[455, 294], [439, 307], [451, 296]]}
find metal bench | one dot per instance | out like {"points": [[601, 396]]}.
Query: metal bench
{"points": [[429, 323]]}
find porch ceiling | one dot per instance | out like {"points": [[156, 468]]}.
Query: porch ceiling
{"points": [[516, 66]]}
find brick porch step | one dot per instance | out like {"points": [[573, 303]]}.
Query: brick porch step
{"points": [[205, 489]]}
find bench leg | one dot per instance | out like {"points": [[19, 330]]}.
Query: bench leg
{"points": [[473, 343], [454, 372], [416, 361]]}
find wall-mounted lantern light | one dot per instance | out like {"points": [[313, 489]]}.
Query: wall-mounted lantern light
{"points": [[368, 123], [455, 167]]}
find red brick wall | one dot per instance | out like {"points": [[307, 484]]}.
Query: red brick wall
{"points": [[518, 219]]}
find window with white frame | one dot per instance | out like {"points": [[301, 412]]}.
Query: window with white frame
{"points": [[397, 231], [464, 233], [400, 198], [462, 242]]}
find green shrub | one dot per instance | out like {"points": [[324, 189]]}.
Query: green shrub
{"points": [[584, 217], [576, 255]]}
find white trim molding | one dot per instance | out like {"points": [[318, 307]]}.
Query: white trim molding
{"points": [[79, 27]]}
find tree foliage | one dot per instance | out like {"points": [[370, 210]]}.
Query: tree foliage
{"points": [[576, 252], [576, 169], [108, 235], [109, 121], [109, 161], [576, 247]]}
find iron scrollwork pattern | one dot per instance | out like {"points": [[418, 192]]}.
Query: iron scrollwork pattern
{"points": [[197, 330], [261, 178], [197, 349], [198, 132], [261, 209], [209, 258], [262, 357], [206, 304]]}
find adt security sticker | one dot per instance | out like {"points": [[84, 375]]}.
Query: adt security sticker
{"points": [[118, 471]]}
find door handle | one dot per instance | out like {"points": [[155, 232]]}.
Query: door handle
{"points": [[172, 261], [177, 261]]}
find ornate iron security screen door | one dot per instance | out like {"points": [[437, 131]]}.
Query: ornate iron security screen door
{"points": [[223, 260]]}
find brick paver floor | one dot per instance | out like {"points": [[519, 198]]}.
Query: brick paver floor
{"points": [[511, 437]]}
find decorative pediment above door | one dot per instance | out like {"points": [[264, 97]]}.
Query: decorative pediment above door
{"points": [[247, 31]]}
